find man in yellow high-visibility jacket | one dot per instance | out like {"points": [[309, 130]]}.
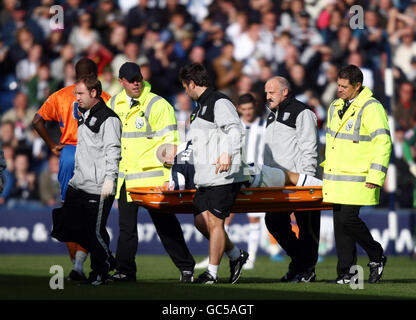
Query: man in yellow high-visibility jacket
{"points": [[148, 121], [357, 154]]}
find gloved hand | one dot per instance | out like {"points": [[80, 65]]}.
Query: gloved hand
{"points": [[412, 169], [107, 189]]}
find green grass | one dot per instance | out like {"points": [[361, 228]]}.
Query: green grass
{"points": [[27, 277]]}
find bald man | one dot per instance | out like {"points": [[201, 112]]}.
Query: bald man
{"points": [[291, 143]]}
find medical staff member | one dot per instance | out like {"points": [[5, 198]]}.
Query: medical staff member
{"points": [[62, 107], [91, 190], [291, 143]]}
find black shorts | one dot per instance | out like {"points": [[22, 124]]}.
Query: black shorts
{"points": [[219, 200]]}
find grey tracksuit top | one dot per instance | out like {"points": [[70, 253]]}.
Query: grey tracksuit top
{"points": [[216, 128], [291, 138], [98, 149]]}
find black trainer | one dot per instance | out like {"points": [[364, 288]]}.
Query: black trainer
{"points": [[187, 276], [376, 270], [121, 277], [206, 278], [95, 280], [75, 275], [290, 276], [344, 278], [307, 276], [237, 265]]}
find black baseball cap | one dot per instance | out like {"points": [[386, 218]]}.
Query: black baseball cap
{"points": [[130, 71]]}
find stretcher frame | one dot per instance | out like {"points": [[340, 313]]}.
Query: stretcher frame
{"points": [[273, 199]]}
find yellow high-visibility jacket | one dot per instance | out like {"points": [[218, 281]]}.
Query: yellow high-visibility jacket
{"points": [[146, 126], [357, 151]]}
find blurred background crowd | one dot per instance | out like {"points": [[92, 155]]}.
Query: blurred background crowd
{"points": [[242, 43]]}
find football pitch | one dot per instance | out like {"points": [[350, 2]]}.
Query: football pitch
{"points": [[27, 277]]}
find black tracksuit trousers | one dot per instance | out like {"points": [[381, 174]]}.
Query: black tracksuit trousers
{"points": [[349, 230], [91, 213], [167, 227], [303, 251]]}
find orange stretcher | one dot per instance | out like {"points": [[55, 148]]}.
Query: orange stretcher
{"points": [[276, 199]]}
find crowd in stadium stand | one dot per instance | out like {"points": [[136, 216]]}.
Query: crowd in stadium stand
{"points": [[242, 43]]}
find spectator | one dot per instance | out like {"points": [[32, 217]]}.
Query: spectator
{"points": [[137, 20], [21, 116], [268, 28], [300, 82], [356, 59], [72, 10], [25, 187], [27, 68], [372, 38], [237, 27], [131, 54], [404, 51], [280, 45], [197, 54], [105, 13], [290, 59], [109, 83], [411, 10], [40, 87], [82, 35], [227, 69], [7, 134], [100, 55], [290, 13], [69, 75], [117, 40], [57, 69], [404, 108], [343, 45], [20, 50], [248, 43], [21, 19], [165, 66], [49, 190], [306, 37], [6, 14], [54, 45], [42, 15], [215, 42], [243, 86], [329, 33], [330, 87], [383, 9], [258, 87], [183, 110], [9, 179]]}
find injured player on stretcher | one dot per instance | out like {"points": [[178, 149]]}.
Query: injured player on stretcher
{"points": [[182, 172]]}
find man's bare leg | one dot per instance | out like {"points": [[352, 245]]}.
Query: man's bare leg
{"points": [[291, 178], [217, 238]]}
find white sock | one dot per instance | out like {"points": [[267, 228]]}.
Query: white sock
{"points": [[80, 257], [306, 180], [233, 254], [213, 270], [226, 227], [253, 240]]}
